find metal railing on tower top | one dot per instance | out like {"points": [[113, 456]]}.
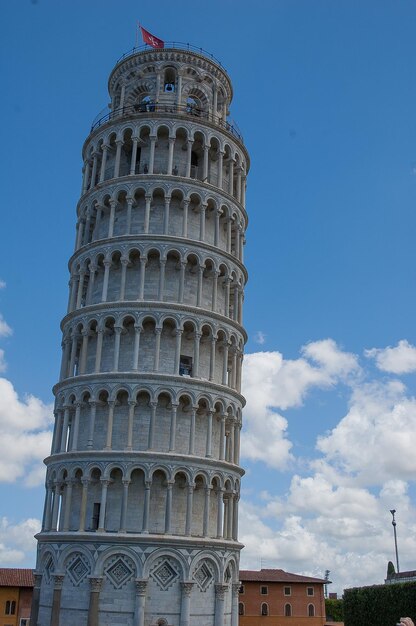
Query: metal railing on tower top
{"points": [[178, 45], [149, 108]]}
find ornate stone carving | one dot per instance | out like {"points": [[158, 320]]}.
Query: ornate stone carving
{"points": [[187, 588], [120, 571], [141, 586], [37, 580], [236, 589], [165, 574], [203, 576], [96, 583], [78, 569], [221, 590], [58, 580], [48, 571]]}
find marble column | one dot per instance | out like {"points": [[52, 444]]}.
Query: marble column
{"points": [[110, 422], [141, 588], [186, 603], [93, 610], [189, 507], [58, 581], [34, 613], [235, 594], [104, 148], [124, 505], [103, 508], [146, 506], [220, 591]]}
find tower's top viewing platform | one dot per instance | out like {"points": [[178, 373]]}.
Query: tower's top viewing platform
{"points": [[176, 45], [179, 79], [175, 52]]}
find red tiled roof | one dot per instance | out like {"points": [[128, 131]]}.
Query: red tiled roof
{"points": [[277, 576], [10, 577]]}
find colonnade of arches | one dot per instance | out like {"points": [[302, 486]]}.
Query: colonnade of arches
{"points": [[156, 587], [161, 211], [140, 420], [168, 149], [148, 343], [165, 274], [142, 500]]}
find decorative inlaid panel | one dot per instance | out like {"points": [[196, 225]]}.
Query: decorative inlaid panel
{"points": [[165, 574], [120, 571], [77, 569], [203, 576]]}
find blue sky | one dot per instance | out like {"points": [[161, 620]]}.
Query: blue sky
{"points": [[325, 94]]}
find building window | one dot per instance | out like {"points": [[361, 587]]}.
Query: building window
{"points": [[310, 591], [264, 609], [311, 610], [25, 621], [240, 608], [288, 610], [263, 590], [10, 608], [96, 516], [288, 591], [241, 590]]}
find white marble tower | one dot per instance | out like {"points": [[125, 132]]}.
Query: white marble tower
{"points": [[140, 524]]}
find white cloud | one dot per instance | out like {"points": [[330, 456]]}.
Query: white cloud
{"points": [[17, 540], [374, 442], [272, 384], [398, 360], [335, 513], [260, 337], [353, 541], [5, 330], [2, 284], [331, 358], [3, 364], [25, 436]]}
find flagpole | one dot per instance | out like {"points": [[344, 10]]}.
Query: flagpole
{"points": [[137, 35]]}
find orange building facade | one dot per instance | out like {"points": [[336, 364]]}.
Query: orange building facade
{"points": [[16, 589], [273, 597]]}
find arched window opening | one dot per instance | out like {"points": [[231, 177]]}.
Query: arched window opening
{"points": [[193, 106], [288, 610], [169, 80], [311, 610], [264, 608], [240, 608], [10, 608], [146, 105]]}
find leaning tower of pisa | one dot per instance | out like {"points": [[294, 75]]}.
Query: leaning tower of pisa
{"points": [[140, 523]]}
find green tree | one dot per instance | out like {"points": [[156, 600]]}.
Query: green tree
{"points": [[379, 605], [390, 569], [334, 610]]}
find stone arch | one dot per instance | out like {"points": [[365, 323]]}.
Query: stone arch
{"points": [[212, 559], [162, 553], [159, 475], [116, 551]]}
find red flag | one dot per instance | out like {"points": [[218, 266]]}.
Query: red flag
{"points": [[150, 39]]}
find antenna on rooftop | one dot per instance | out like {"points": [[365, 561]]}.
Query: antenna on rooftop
{"points": [[327, 572], [393, 523]]}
